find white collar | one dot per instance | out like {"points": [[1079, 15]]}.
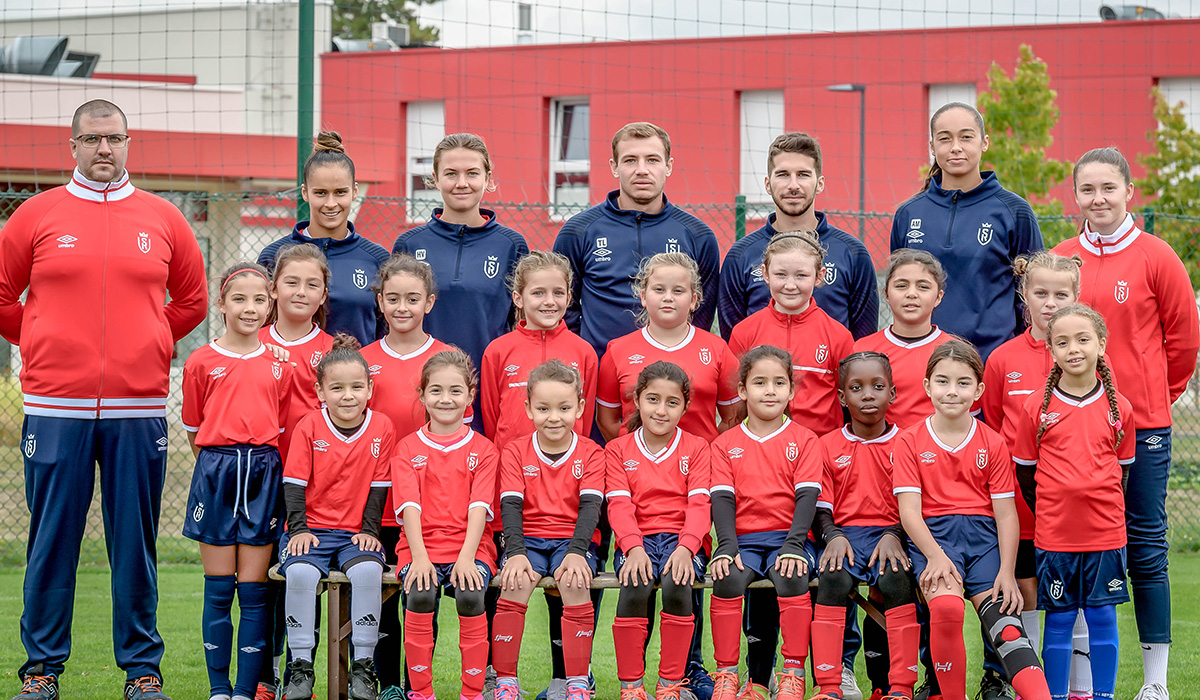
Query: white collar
{"points": [[1114, 242], [93, 191]]}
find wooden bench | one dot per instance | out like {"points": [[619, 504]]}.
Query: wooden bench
{"points": [[338, 624]]}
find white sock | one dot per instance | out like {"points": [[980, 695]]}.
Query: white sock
{"points": [[1033, 627], [1154, 664], [366, 586], [300, 611], [1081, 660], [577, 681]]}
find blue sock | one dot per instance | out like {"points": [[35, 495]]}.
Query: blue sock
{"points": [[252, 636], [1057, 647], [217, 631], [1105, 643]]}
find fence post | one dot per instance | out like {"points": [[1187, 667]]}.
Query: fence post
{"points": [[1148, 219], [739, 217], [304, 106]]}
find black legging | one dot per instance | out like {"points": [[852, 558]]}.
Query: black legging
{"points": [[634, 601], [469, 603], [738, 580]]}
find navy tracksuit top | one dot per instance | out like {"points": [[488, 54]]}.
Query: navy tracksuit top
{"points": [[471, 265], [606, 245], [976, 235], [353, 264], [847, 293]]}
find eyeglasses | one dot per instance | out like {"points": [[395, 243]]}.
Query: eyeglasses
{"points": [[93, 140]]}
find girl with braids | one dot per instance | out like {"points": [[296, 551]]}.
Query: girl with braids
{"points": [[1073, 451], [954, 484], [330, 190]]}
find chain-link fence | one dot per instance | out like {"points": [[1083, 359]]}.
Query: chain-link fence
{"points": [[233, 226]]}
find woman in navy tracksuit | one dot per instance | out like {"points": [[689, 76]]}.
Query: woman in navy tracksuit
{"points": [[976, 228]]}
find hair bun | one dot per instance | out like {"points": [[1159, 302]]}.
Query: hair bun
{"points": [[329, 141], [345, 341]]}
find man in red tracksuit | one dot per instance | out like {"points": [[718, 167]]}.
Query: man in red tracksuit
{"points": [[99, 258]]}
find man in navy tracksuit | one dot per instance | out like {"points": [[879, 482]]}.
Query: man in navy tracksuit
{"points": [[607, 243], [353, 264], [848, 294]]}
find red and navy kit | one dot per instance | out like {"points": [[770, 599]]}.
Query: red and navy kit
{"points": [[116, 253], [764, 473], [444, 482], [667, 492], [1080, 503], [550, 490], [507, 363], [306, 353], [817, 344], [338, 471], [705, 358], [353, 264], [908, 359], [857, 478], [232, 399], [397, 381], [1140, 286], [961, 480]]}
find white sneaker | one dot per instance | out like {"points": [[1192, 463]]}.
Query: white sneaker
{"points": [[1153, 691], [850, 689], [557, 689]]}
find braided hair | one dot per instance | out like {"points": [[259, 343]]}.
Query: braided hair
{"points": [[1106, 380]]}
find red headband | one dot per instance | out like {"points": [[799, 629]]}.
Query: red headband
{"points": [[244, 269]]}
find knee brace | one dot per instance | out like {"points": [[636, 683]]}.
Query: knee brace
{"points": [[633, 600], [833, 588], [792, 586], [421, 601], [469, 603], [897, 589], [1008, 638], [734, 585], [676, 599]]}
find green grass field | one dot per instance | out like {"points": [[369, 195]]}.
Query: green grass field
{"points": [[91, 673]]}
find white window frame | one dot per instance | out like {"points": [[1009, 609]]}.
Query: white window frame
{"points": [[560, 167], [761, 119], [944, 93], [425, 125]]}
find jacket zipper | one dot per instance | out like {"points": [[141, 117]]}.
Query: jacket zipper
{"points": [[953, 213], [458, 260], [103, 295], [638, 218]]}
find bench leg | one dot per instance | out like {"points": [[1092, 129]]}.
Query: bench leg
{"points": [[338, 644], [869, 608]]}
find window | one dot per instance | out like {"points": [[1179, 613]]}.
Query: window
{"points": [[524, 17], [569, 163], [941, 93], [762, 121], [426, 126], [1187, 91]]}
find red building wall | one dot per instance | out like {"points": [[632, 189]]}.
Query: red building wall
{"points": [[1103, 73]]}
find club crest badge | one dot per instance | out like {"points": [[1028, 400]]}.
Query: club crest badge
{"points": [[491, 266], [277, 370], [472, 461], [315, 359], [683, 464], [672, 245], [360, 278], [30, 445], [577, 469], [143, 241], [984, 234], [830, 273], [793, 451], [822, 354], [981, 458], [1121, 292], [375, 447], [705, 355]]}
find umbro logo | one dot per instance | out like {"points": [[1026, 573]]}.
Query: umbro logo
{"points": [[320, 446], [67, 241], [1115, 585], [473, 671], [531, 469], [843, 460], [631, 465], [210, 646], [249, 650], [636, 359], [374, 369], [512, 369], [927, 457], [1155, 442], [419, 459], [602, 252], [418, 668], [217, 373], [825, 667], [1013, 377], [873, 654], [162, 443], [736, 453], [1050, 418]]}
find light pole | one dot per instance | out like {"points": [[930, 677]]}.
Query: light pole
{"points": [[862, 149]]}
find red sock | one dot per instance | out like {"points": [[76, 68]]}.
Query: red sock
{"points": [[418, 650], [629, 638], [946, 644], [675, 632], [1030, 684], [828, 631], [725, 618], [473, 644], [904, 636], [795, 619], [578, 628], [507, 627]]}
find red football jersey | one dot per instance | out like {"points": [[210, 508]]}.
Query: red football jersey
{"points": [[305, 354], [817, 344], [337, 471], [444, 482], [505, 369], [1080, 505], [231, 399], [705, 358], [550, 491], [961, 480], [764, 473], [655, 493], [397, 388], [857, 485], [1137, 282], [908, 362]]}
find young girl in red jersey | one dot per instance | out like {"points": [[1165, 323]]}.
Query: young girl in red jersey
{"points": [[657, 478], [668, 285], [913, 288], [235, 395], [766, 477], [299, 289], [446, 475], [541, 291], [793, 265], [1137, 282], [334, 485], [1017, 369], [1073, 458], [860, 526], [551, 490], [955, 484]]}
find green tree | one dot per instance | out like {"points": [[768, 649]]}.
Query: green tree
{"points": [[1020, 112], [1173, 181], [352, 18]]}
